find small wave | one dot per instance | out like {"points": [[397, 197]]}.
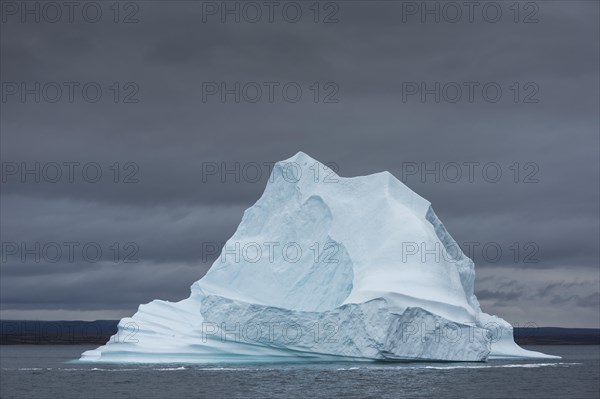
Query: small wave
{"points": [[489, 366], [533, 365], [226, 369], [170, 368], [101, 369], [460, 367]]}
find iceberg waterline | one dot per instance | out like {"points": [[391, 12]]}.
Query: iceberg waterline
{"points": [[324, 268]]}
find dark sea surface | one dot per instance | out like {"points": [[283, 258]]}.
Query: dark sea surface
{"points": [[44, 372]]}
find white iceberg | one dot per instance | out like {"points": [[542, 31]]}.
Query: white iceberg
{"points": [[324, 268]]}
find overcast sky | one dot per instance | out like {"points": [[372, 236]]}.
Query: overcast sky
{"points": [[527, 108]]}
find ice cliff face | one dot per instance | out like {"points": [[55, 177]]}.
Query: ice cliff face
{"points": [[324, 268]]}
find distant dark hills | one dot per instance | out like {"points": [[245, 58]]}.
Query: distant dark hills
{"points": [[557, 336], [26, 332], [29, 332]]}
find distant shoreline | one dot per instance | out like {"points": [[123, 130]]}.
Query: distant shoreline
{"points": [[29, 332]]}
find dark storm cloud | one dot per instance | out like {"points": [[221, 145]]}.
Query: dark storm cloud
{"points": [[171, 136], [151, 230], [71, 288], [526, 296], [513, 292]]}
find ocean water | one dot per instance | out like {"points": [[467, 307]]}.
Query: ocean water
{"points": [[44, 372]]}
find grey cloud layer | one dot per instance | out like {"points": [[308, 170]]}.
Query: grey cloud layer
{"points": [[171, 132]]}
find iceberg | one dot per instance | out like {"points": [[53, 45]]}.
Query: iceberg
{"points": [[324, 268]]}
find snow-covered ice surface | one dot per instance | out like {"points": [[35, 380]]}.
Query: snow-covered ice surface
{"points": [[324, 268]]}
